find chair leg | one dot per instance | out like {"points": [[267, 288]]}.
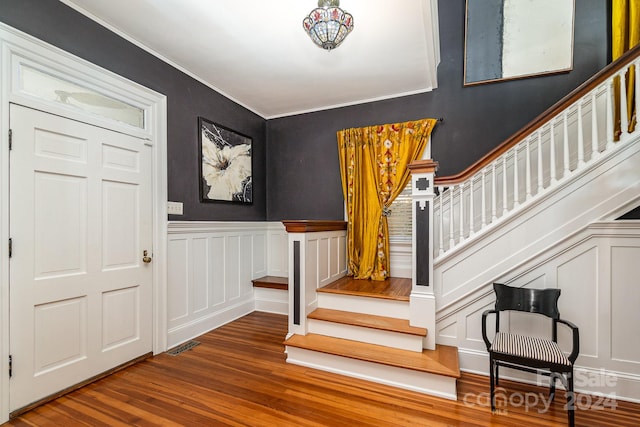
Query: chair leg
{"points": [[497, 374], [552, 386], [491, 383], [571, 400]]}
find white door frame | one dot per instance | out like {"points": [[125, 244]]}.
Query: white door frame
{"points": [[18, 49]]}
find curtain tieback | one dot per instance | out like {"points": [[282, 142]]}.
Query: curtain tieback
{"points": [[386, 211]]}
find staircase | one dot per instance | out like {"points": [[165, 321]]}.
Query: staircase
{"points": [[361, 329], [519, 215]]}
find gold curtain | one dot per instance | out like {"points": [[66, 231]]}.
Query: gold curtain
{"points": [[625, 35], [373, 165]]}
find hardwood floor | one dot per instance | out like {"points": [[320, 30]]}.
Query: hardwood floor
{"points": [[237, 376], [392, 288]]}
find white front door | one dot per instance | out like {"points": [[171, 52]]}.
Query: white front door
{"points": [[80, 220]]}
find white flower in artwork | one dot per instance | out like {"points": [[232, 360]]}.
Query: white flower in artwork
{"points": [[226, 169]]}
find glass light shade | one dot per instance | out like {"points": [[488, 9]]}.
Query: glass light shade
{"points": [[328, 25]]}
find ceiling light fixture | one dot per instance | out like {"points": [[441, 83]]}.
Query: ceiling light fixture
{"points": [[328, 25]]}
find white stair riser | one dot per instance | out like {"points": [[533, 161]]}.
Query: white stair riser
{"points": [[421, 382], [271, 300], [365, 305], [367, 335]]}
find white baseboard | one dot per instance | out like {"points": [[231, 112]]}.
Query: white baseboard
{"points": [[209, 322]]}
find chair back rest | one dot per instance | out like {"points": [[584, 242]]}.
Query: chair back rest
{"points": [[541, 301]]}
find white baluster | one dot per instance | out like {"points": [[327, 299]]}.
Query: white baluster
{"points": [[580, 137], [461, 213], [484, 203], [471, 203], [452, 242], [540, 177], [527, 172], [565, 144], [624, 117], [504, 184], [595, 146], [441, 237], [552, 153], [493, 193], [610, 128], [516, 190]]}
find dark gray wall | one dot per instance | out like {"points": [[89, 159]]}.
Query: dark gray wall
{"points": [[302, 180], [187, 99], [303, 175]]}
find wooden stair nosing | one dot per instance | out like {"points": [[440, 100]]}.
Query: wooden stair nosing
{"points": [[383, 323], [441, 361], [271, 282], [363, 294]]}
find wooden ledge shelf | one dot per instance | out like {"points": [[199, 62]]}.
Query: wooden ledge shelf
{"points": [[311, 226], [367, 321], [272, 282]]}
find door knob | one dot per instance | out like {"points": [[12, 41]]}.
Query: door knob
{"points": [[145, 257]]}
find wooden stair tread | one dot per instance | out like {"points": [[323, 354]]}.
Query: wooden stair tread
{"points": [[272, 282], [441, 361], [367, 321], [397, 289]]}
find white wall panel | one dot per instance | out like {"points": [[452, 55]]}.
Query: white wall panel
{"points": [[245, 272], [625, 302], [278, 252], [211, 265], [597, 270], [217, 277], [178, 278], [232, 266], [578, 281], [260, 254], [200, 274]]}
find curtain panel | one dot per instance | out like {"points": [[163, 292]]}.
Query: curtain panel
{"points": [[373, 166], [625, 27]]}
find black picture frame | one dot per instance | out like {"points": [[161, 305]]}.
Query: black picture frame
{"points": [[226, 164]]}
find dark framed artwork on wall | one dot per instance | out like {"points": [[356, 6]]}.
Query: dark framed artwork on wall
{"points": [[225, 164]]}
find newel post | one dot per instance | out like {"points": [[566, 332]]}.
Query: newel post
{"points": [[317, 257], [422, 300]]}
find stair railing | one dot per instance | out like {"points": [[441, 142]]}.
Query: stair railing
{"points": [[567, 138]]}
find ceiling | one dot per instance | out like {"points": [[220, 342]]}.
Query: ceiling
{"points": [[256, 53]]}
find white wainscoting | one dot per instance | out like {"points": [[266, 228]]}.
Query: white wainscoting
{"points": [[598, 271], [210, 268], [400, 258]]}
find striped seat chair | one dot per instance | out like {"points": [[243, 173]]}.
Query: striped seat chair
{"points": [[526, 353]]}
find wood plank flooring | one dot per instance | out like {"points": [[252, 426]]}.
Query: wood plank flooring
{"points": [[366, 321], [238, 377], [392, 288], [441, 361]]}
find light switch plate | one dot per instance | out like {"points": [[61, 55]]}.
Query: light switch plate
{"points": [[174, 208]]}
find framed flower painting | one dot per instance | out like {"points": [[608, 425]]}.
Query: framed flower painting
{"points": [[225, 164]]}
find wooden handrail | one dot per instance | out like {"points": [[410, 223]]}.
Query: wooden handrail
{"points": [[542, 119]]}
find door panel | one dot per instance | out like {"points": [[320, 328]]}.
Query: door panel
{"points": [[80, 219]]}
